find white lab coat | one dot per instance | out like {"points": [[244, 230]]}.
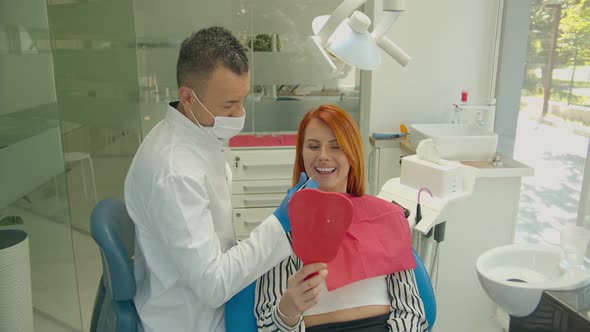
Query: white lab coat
{"points": [[187, 264]]}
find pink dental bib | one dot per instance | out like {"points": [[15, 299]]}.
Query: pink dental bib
{"points": [[365, 236]]}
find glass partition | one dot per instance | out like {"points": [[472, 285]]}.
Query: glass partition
{"points": [[33, 195], [96, 80], [286, 82], [84, 81]]}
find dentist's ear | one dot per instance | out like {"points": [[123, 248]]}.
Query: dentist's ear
{"points": [[185, 98]]}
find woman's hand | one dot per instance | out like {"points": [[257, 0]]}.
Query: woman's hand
{"points": [[302, 294]]}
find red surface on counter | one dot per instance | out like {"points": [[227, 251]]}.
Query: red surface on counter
{"points": [[257, 140]]}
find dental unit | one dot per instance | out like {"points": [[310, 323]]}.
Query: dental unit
{"points": [[473, 205]]}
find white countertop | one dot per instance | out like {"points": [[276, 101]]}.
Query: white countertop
{"points": [[509, 168]]}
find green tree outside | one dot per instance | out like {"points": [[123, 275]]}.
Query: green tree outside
{"points": [[572, 50]]}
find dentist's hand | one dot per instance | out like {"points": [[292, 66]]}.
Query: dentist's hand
{"points": [[282, 212]]}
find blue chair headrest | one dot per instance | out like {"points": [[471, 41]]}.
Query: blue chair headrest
{"points": [[114, 232]]}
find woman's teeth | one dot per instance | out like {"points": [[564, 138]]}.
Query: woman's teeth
{"points": [[325, 170]]}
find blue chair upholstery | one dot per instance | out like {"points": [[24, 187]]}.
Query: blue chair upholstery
{"points": [[113, 231], [425, 289], [239, 310]]}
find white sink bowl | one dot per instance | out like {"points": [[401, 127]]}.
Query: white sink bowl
{"points": [[464, 142], [515, 276]]}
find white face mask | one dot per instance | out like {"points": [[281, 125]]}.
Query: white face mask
{"points": [[224, 127]]}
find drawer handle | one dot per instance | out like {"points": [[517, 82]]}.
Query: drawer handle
{"points": [[263, 201], [265, 166], [252, 222], [270, 188]]}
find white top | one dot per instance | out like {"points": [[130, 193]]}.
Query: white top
{"points": [[371, 291], [187, 263], [407, 310]]}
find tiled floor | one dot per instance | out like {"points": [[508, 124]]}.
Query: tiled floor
{"points": [[65, 261], [89, 270], [63, 284], [45, 323], [53, 271]]}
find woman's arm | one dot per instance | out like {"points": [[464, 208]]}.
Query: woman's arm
{"points": [[407, 310], [284, 293], [269, 289]]}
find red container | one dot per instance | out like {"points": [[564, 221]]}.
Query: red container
{"points": [[464, 95]]}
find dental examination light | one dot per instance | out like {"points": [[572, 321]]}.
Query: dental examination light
{"points": [[343, 37]]}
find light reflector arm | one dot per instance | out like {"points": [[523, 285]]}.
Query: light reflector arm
{"points": [[341, 12], [395, 5], [388, 19], [392, 49], [341, 39], [392, 10]]}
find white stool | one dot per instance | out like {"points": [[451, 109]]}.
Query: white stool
{"points": [[73, 157]]}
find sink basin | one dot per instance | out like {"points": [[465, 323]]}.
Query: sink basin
{"points": [[515, 276], [464, 142]]}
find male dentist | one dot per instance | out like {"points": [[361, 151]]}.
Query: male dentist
{"points": [[177, 191]]}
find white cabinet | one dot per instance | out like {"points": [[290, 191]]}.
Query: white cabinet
{"points": [[245, 220], [261, 186], [261, 178], [384, 163], [262, 164]]}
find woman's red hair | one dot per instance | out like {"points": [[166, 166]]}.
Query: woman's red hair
{"points": [[349, 140]]}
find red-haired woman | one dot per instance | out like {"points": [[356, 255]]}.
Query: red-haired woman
{"points": [[329, 148]]}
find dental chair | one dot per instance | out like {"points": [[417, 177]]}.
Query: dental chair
{"points": [[239, 311], [425, 289], [113, 231]]}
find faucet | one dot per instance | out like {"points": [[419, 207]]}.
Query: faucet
{"points": [[480, 119], [456, 110]]}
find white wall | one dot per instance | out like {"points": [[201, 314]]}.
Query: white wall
{"points": [[452, 46], [511, 66]]}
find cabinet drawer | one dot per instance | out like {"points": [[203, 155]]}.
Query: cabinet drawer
{"points": [[261, 187], [262, 164], [245, 220], [257, 200]]}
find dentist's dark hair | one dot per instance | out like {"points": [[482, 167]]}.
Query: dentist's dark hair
{"points": [[204, 51]]}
